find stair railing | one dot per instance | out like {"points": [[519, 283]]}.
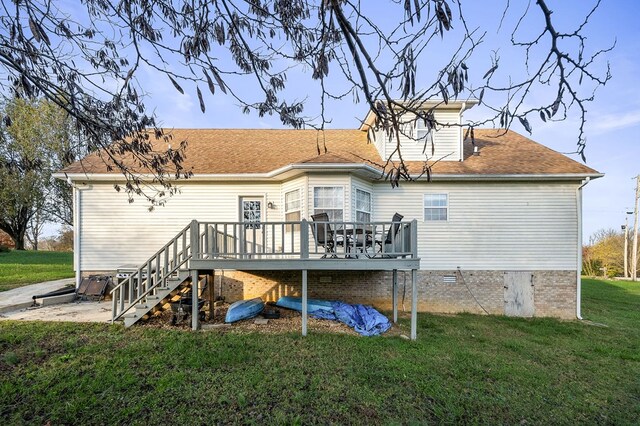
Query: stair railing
{"points": [[144, 281]]}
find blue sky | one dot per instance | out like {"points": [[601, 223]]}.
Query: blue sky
{"points": [[613, 118]]}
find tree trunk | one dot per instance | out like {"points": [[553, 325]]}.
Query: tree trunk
{"points": [[18, 240]]}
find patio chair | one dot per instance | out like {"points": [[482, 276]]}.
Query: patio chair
{"points": [[392, 233], [362, 240], [324, 235]]}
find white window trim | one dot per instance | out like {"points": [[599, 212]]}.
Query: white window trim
{"points": [[344, 196], [424, 217], [355, 203]]}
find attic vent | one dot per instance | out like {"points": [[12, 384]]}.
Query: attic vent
{"points": [[449, 279]]}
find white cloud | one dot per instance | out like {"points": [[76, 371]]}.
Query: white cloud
{"points": [[607, 122], [183, 102]]}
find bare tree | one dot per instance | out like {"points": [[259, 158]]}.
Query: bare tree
{"points": [[88, 61], [36, 226]]}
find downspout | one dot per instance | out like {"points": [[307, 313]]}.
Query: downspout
{"points": [[463, 107], [77, 200], [579, 257]]}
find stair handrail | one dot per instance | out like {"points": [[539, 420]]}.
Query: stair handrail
{"points": [[185, 255], [148, 291]]}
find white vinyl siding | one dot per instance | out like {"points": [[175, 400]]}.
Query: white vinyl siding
{"points": [[501, 226], [115, 232], [491, 225], [446, 140], [436, 207]]}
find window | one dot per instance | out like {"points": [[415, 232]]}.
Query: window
{"points": [[363, 206], [251, 213], [292, 206], [436, 207], [329, 200], [292, 209], [422, 133]]}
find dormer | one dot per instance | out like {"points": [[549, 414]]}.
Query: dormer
{"points": [[417, 143]]}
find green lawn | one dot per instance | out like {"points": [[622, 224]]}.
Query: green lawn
{"points": [[18, 268], [463, 369]]}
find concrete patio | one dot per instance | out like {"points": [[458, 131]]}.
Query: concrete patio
{"points": [[16, 304]]}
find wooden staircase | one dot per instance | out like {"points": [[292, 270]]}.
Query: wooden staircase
{"points": [[155, 281], [161, 296]]}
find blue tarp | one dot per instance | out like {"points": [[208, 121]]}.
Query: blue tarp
{"points": [[365, 320]]}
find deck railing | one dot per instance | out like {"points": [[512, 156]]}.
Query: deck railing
{"points": [[304, 239], [264, 240], [152, 274]]}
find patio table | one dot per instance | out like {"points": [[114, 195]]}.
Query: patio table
{"points": [[363, 236]]}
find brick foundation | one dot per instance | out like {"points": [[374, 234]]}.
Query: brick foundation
{"points": [[554, 291]]}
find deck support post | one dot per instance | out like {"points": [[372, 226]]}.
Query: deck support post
{"points": [[414, 304], [304, 302], [394, 296], [195, 321], [211, 283]]}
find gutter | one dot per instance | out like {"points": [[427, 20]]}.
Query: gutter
{"points": [[579, 254], [515, 177], [111, 177], [116, 177]]}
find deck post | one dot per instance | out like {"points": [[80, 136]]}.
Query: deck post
{"points": [[414, 238], [304, 302], [114, 296], [414, 304], [394, 296], [195, 325], [304, 239], [211, 281], [194, 240]]}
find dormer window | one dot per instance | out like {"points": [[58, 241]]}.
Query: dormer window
{"points": [[421, 131], [439, 138]]}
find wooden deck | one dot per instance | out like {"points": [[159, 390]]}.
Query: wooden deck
{"points": [[356, 264], [204, 247]]}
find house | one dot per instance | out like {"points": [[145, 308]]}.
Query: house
{"points": [[496, 230]]}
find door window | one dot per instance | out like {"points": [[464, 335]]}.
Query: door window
{"points": [[251, 213]]}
